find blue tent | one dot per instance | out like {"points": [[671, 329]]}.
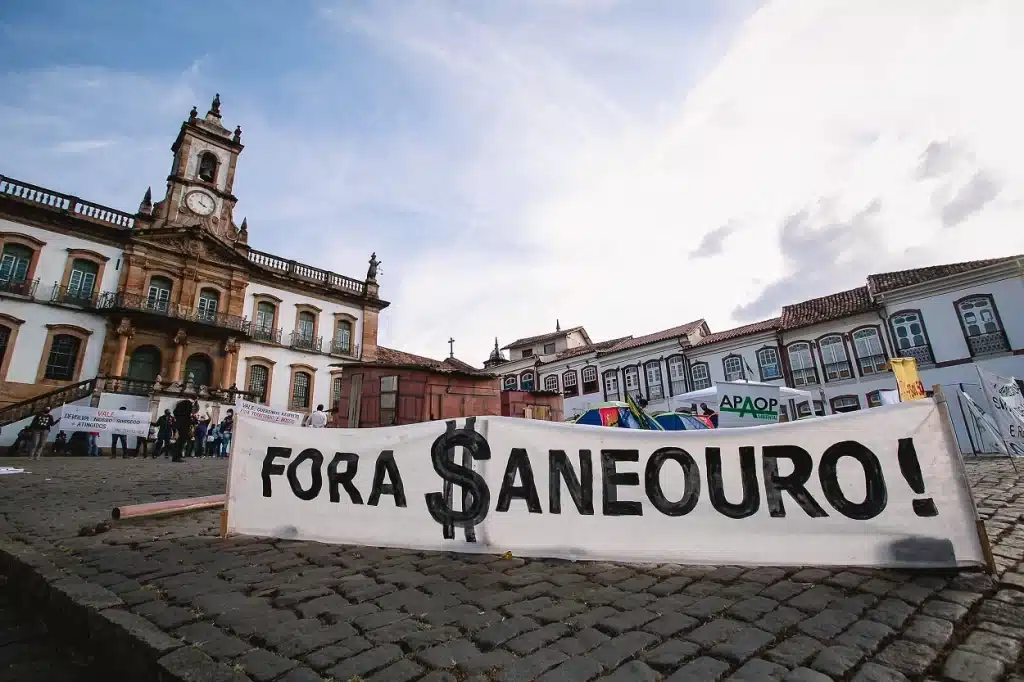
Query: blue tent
{"points": [[674, 421], [616, 414]]}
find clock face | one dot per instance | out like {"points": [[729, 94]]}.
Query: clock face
{"points": [[200, 203]]}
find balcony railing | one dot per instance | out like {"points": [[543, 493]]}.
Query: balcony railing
{"points": [[344, 348], [19, 287], [307, 273], [837, 371], [804, 377], [923, 354], [266, 334], [143, 387], [872, 364], [300, 341], [137, 302], [71, 296], [983, 344], [64, 203]]}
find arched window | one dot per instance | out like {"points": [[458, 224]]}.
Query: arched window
{"points": [[655, 389], [589, 376], [631, 378], [867, 346], [198, 370], [801, 362], [335, 391], [5, 339], [510, 383], [570, 387], [981, 325], [259, 376], [833, 355], [551, 382], [301, 382], [209, 300], [304, 327], [733, 367], [82, 282], [343, 337], [15, 263], [144, 364], [63, 358], [700, 376], [207, 166], [526, 381], [677, 375], [768, 363], [159, 295], [910, 337], [263, 330], [611, 385]]}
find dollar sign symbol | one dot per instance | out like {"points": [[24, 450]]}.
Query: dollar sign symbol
{"points": [[476, 497]]}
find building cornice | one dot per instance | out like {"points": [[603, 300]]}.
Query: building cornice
{"points": [[951, 283]]}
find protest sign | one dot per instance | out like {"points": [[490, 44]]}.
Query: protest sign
{"points": [[267, 414], [984, 421], [744, 404], [96, 420], [1006, 405], [868, 488], [908, 381]]}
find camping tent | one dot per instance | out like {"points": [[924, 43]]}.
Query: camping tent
{"points": [[710, 395]]}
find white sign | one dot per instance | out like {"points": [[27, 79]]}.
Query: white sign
{"points": [[95, 420], [868, 488], [985, 421], [743, 404], [267, 414], [1006, 405]]}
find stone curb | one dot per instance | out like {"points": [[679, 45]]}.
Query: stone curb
{"points": [[89, 617]]}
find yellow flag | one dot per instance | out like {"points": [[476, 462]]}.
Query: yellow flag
{"points": [[907, 380]]}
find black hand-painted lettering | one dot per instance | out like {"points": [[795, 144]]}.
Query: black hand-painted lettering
{"points": [[751, 501], [910, 467], [343, 478], [875, 497], [775, 485], [476, 510], [691, 481], [518, 463], [317, 479], [581, 489], [386, 466], [612, 479], [272, 469]]}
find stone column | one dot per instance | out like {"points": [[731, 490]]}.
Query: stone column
{"points": [[124, 332], [180, 339], [230, 363]]}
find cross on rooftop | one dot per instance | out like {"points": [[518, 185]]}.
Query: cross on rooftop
{"points": [[451, 347]]}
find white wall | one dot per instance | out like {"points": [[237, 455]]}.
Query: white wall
{"points": [[28, 349], [283, 357]]}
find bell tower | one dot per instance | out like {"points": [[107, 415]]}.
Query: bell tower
{"points": [[201, 182]]}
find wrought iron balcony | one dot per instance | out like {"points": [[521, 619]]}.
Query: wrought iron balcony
{"points": [[984, 344], [923, 354], [72, 296], [19, 287], [837, 371], [266, 334], [345, 348], [300, 341], [136, 302]]}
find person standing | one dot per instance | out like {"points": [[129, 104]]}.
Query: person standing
{"points": [[142, 442], [201, 429], [226, 428], [40, 430], [94, 448], [184, 421], [164, 428], [318, 419], [123, 438]]}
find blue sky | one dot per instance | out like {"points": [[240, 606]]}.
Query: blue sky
{"points": [[520, 161]]}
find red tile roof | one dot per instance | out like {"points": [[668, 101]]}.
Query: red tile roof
{"points": [[588, 348], [739, 332], [530, 340], [887, 281], [827, 308], [663, 335], [389, 357]]}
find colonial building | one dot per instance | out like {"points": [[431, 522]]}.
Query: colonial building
{"points": [[950, 318], [100, 301]]}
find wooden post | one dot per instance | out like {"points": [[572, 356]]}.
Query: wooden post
{"points": [[949, 436]]}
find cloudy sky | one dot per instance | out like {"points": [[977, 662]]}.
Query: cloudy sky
{"points": [[628, 165]]}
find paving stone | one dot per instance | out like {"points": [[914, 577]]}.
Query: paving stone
{"points": [[573, 670], [671, 624], [794, 651], [837, 660], [531, 641], [934, 632], [752, 608], [669, 654], [634, 671], [263, 666], [529, 667], [873, 672], [826, 624], [449, 654], [945, 610], [996, 646], [806, 675], [505, 630], [582, 642], [910, 658], [891, 612], [705, 669], [756, 670], [780, 619], [213, 641], [365, 662], [304, 675], [619, 649], [966, 666], [866, 635], [742, 645], [191, 665]]}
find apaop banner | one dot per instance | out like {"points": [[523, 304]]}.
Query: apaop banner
{"points": [[267, 414], [1006, 405], [868, 488], [743, 404], [95, 420]]}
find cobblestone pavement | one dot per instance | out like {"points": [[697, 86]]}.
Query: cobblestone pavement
{"points": [[294, 612]]}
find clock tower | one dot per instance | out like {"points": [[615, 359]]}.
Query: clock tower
{"points": [[202, 177]]}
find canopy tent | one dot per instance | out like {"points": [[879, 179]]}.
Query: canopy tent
{"points": [[710, 395]]}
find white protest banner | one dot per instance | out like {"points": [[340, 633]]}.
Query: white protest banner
{"points": [[743, 404], [984, 420], [267, 414], [868, 488], [96, 420], [1006, 405]]}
